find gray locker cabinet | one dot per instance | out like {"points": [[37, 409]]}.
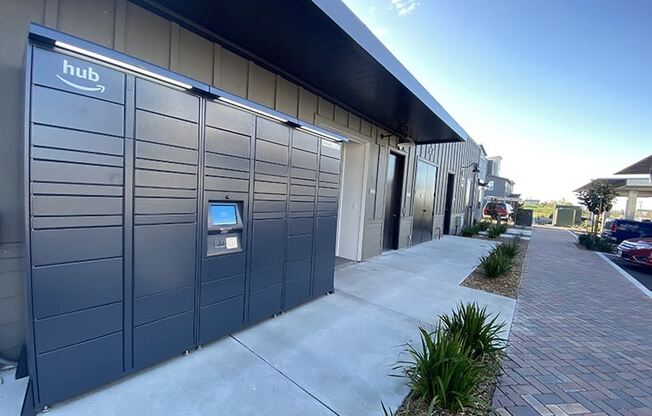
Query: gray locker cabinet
{"points": [[227, 166], [326, 219], [301, 218], [118, 186], [165, 221], [76, 199], [269, 222]]}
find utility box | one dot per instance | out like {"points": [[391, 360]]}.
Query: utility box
{"points": [[564, 217], [524, 217], [578, 212], [160, 220]]}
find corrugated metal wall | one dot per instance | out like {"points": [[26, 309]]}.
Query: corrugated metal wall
{"points": [[451, 158]]}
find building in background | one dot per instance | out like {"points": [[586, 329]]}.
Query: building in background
{"points": [[498, 188]]}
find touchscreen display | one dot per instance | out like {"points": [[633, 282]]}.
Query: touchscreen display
{"points": [[223, 215]]}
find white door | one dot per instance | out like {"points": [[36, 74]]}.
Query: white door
{"points": [[351, 216]]}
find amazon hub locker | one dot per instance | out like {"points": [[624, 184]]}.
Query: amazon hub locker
{"points": [[160, 219]]}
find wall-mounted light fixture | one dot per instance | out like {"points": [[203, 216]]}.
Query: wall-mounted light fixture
{"points": [[405, 143], [476, 169], [121, 64]]}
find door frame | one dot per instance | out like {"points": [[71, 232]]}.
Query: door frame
{"points": [[402, 156], [446, 229], [353, 137]]}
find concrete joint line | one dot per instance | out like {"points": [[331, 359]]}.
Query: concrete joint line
{"points": [[285, 375], [385, 308], [626, 275]]}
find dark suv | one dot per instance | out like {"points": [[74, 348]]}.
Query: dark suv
{"points": [[620, 230]]}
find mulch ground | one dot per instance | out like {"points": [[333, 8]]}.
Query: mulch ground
{"points": [[506, 285]]}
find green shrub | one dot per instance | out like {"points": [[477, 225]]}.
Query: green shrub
{"points": [[509, 248], [470, 230], [479, 330], [484, 225], [502, 227], [494, 231], [441, 370], [596, 243], [496, 264]]}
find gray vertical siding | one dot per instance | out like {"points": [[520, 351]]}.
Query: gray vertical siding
{"points": [[450, 158]]}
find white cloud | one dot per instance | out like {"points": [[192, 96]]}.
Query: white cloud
{"points": [[404, 7]]}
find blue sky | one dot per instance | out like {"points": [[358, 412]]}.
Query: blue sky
{"points": [[562, 89]]}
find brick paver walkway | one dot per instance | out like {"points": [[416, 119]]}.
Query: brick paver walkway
{"points": [[581, 340]]}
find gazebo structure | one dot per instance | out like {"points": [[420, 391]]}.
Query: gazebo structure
{"points": [[629, 183], [642, 167]]}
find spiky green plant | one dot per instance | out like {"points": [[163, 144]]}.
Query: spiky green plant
{"points": [[484, 225], [441, 370], [496, 264], [494, 231], [479, 330], [470, 230], [509, 248]]}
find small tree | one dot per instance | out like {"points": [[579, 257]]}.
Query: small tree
{"points": [[492, 210], [516, 205], [598, 199]]}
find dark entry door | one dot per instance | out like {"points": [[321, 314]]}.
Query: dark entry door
{"points": [[424, 202], [393, 189], [448, 206]]}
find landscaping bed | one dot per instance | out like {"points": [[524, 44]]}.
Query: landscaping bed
{"points": [[505, 285], [412, 406], [454, 369]]}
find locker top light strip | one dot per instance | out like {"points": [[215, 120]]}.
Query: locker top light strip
{"points": [[320, 133], [254, 110], [121, 64], [237, 103]]}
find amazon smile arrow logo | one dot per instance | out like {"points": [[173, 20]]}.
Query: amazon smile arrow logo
{"points": [[98, 87], [82, 73]]}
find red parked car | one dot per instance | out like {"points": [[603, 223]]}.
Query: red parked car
{"points": [[637, 251], [498, 209]]}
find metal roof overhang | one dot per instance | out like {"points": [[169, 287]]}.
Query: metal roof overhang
{"points": [[622, 186], [322, 46], [643, 166]]}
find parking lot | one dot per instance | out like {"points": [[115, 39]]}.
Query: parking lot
{"points": [[643, 275]]}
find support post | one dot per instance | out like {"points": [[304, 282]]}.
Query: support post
{"points": [[630, 210]]}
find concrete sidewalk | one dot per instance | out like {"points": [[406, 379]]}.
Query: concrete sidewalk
{"points": [[332, 356], [580, 341]]}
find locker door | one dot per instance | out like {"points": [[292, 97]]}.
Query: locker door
{"points": [[76, 198], [165, 221], [303, 196], [227, 163], [326, 219], [269, 228]]}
